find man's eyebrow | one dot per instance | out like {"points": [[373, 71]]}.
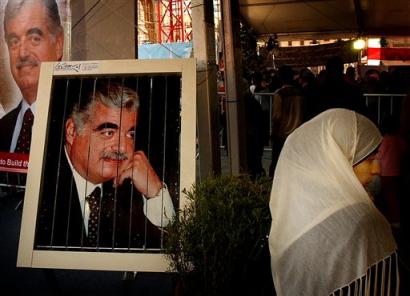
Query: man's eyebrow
{"points": [[11, 36], [35, 31], [29, 32], [106, 125]]}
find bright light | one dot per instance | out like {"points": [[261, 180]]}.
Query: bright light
{"points": [[359, 44], [374, 42], [373, 62]]}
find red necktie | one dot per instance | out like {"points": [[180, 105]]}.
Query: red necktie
{"points": [[23, 142]]}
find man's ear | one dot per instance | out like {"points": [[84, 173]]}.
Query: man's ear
{"points": [[70, 132], [59, 46]]}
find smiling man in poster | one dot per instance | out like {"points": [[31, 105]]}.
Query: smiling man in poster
{"points": [[33, 34], [104, 193]]}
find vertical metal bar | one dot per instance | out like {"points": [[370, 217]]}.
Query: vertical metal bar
{"points": [[116, 187], [72, 180], [132, 187], [171, 23], [58, 168], [92, 111], [159, 22], [101, 197], [151, 90], [181, 19], [164, 155]]}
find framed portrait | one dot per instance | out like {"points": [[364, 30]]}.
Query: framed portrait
{"points": [[113, 147]]}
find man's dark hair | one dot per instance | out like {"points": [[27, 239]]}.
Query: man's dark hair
{"points": [[54, 23], [112, 95]]}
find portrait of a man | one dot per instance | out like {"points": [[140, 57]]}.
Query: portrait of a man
{"points": [[100, 190], [33, 34]]}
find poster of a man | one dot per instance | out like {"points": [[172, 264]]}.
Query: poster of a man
{"points": [[100, 190], [115, 151], [33, 34]]}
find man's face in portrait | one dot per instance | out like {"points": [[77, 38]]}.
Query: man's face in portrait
{"points": [[30, 42], [103, 144]]}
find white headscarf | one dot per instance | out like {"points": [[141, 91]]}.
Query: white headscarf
{"points": [[325, 231]]}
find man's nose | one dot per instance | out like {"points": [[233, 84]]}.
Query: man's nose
{"points": [[23, 49], [375, 170], [120, 142]]}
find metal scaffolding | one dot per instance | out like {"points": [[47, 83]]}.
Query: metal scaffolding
{"points": [[174, 21]]}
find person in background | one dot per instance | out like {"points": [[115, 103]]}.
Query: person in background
{"points": [[255, 134], [287, 113], [391, 154], [371, 83], [327, 237], [335, 92], [262, 86], [350, 76], [310, 92]]}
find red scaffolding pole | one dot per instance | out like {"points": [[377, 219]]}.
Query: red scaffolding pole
{"points": [[172, 15]]}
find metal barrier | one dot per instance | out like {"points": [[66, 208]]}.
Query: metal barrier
{"points": [[5, 182], [378, 105], [381, 104]]}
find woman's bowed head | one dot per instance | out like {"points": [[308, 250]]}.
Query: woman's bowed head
{"points": [[327, 236]]}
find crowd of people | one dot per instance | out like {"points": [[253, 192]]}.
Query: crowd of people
{"points": [[294, 97]]}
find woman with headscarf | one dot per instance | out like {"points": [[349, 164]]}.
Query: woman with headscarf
{"points": [[327, 237]]}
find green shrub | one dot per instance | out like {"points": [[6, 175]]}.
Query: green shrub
{"points": [[219, 243]]}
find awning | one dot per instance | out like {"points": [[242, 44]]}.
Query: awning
{"points": [[311, 19]]}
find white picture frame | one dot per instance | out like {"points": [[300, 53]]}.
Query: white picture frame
{"points": [[28, 255]]}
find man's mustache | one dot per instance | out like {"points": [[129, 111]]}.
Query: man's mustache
{"points": [[27, 62], [115, 155]]}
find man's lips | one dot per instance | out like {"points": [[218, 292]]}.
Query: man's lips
{"points": [[111, 160]]}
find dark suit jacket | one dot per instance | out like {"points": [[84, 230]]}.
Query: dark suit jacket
{"points": [[7, 124], [60, 222]]}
